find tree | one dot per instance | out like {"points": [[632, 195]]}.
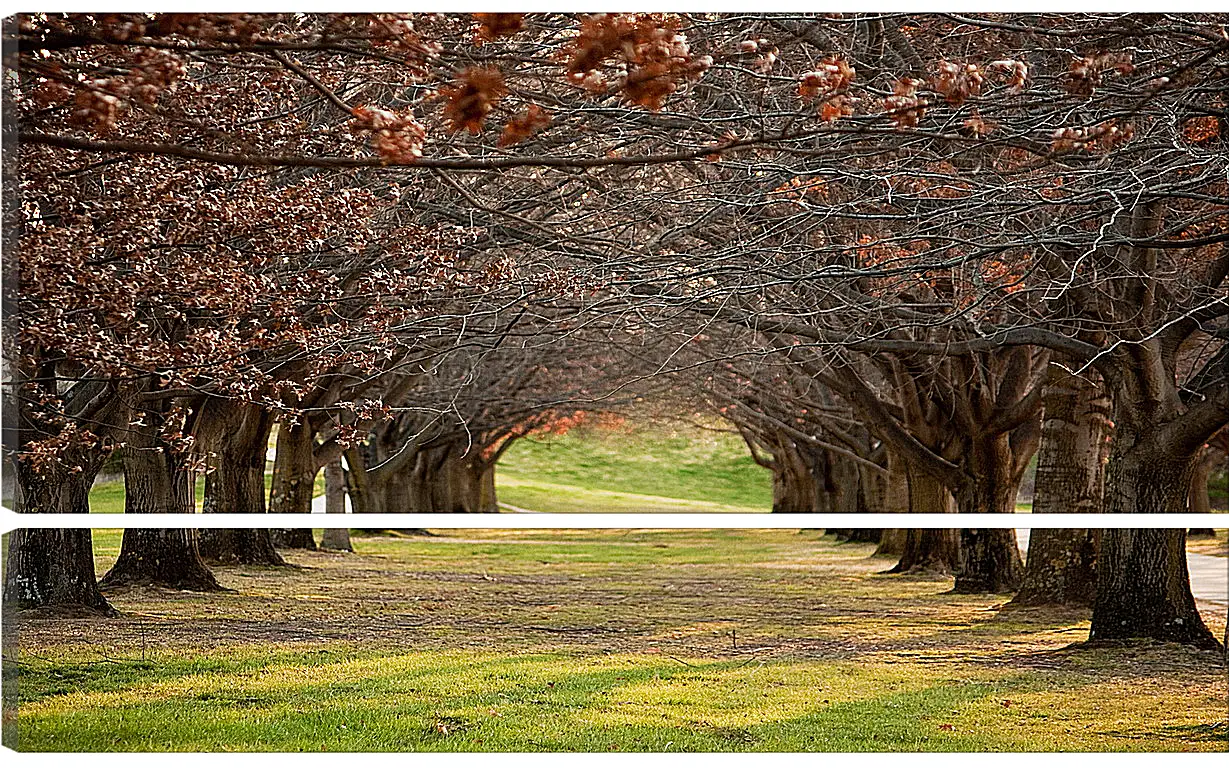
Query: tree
{"points": [[165, 557], [335, 504], [1143, 589], [250, 546], [53, 567], [989, 561], [1061, 567]]}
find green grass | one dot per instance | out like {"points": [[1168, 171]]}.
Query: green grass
{"points": [[649, 467], [595, 640], [472, 701]]}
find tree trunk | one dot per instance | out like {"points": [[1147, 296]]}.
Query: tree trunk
{"points": [[857, 535], [993, 488], [53, 567], [165, 557], [442, 480], [1200, 501], [56, 491], [335, 504], [38, 493], [356, 481], [1070, 460], [294, 479], [1142, 479], [1148, 470], [249, 546], [1061, 568], [794, 487], [156, 482], [294, 471], [156, 475], [75, 490], [892, 542], [1144, 589], [238, 434], [896, 498], [928, 495], [293, 538], [929, 550], [337, 539], [989, 561]]}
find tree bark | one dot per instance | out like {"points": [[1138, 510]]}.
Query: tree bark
{"points": [[156, 482], [356, 481], [892, 542], [57, 491], [1061, 568], [238, 434], [156, 475], [53, 567], [1071, 458], [928, 495], [249, 546], [294, 479], [794, 486], [442, 480], [993, 486], [857, 535], [335, 504], [929, 550], [294, 471], [1143, 478], [989, 561], [165, 557], [1144, 589], [1200, 501], [293, 538]]}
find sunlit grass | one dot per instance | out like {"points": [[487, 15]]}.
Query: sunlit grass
{"points": [[359, 700], [596, 640], [682, 469]]}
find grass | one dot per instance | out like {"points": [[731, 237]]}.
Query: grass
{"points": [[596, 640], [646, 467]]}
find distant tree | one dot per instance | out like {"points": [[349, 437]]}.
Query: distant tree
{"points": [[335, 504]]}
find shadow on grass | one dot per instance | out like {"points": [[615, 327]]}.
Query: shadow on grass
{"points": [[1215, 733], [526, 703]]}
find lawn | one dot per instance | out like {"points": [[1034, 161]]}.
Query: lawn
{"points": [[710, 640], [645, 467]]}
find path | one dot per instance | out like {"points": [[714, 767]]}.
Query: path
{"points": [[318, 507]]}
